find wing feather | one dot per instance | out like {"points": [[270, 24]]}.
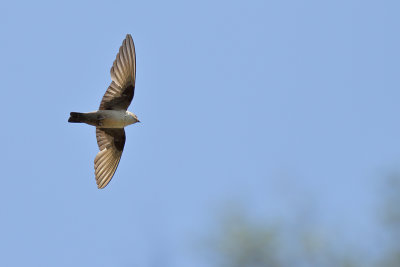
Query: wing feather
{"points": [[111, 144], [120, 93]]}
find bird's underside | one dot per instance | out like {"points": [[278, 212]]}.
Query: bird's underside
{"points": [[109, 119], [102, 118]]}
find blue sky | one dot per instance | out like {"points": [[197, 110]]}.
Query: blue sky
{"points": [[267, 103]]}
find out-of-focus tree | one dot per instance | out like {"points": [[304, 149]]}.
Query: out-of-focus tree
{"points": [[391, 220], [241, 241]]}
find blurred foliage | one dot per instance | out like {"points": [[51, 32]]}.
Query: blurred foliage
{"points": [[391, 208], [245, 244], [391, 220], [242, 242]]}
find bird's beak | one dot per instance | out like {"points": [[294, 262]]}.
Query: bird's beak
{"points": [[138, 121]]}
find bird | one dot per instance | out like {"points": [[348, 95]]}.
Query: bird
{"points": [[113, 115]]}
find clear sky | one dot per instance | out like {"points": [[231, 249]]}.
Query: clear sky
{"points": [[267, 103]]}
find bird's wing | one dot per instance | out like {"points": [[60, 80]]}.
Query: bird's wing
{"points": [[123, 74], [111, 144]]}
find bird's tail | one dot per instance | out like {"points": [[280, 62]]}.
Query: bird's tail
{"points": [[76, 117]]}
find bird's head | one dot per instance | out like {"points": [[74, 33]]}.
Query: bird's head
{"points": [[131, 118]]}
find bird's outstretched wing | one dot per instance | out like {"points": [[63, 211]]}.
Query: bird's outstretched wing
{"points": [[123, 74], [111, 144]]}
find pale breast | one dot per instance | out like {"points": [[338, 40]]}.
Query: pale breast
{"points": [[112, 118]]}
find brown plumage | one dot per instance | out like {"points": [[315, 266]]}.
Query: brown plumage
{"points": [[112, 116], [111, 144]]}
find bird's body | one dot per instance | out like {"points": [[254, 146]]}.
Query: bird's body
{"points": [[105, 118], [112, 116]]}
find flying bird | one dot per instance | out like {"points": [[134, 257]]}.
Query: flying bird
{"points": [[113, 116]]}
